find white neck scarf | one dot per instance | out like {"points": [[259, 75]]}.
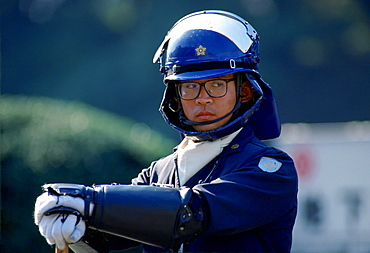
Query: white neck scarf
{"points": [[192, 156]]}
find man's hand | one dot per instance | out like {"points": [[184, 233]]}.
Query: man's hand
{"points": [[46, 201], [61, 228], [58, 226]]}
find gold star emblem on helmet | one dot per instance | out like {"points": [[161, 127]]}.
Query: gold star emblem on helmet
{"points": [[201, 50]]}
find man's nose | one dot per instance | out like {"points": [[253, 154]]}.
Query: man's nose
{"points": [[203, 97]]}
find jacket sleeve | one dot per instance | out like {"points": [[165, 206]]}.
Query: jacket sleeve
{"points": [[144, 177], [246, 197]]}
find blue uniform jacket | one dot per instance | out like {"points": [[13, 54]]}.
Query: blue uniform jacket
{"points": [[251, 193]]}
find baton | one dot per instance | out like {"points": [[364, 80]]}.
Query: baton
{"points": [[65, 250]]}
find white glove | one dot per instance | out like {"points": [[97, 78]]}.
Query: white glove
{"points": [[47, 201], [61, 228]]}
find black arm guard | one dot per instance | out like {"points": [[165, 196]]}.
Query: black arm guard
{"points": [[158, 216], [163, 217]]}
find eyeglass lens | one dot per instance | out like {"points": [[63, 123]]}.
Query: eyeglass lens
{"points": [[214, 88]]}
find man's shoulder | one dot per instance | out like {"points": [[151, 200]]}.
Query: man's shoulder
{"points": [[253, 148]]}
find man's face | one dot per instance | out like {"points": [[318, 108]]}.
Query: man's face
{"points": [[206, 108]]}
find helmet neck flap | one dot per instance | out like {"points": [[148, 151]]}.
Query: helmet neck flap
{"points": [[210, 44]]}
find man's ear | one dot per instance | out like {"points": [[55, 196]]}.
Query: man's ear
{"points": [[246, 92]]}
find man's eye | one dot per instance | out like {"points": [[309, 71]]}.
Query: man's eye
{"points": [[190, 85], [218, 84]]}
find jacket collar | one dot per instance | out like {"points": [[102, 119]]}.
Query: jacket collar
{"points": [[236, 145]]}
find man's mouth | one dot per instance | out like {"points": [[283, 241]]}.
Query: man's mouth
{"points": [[204, 115]]}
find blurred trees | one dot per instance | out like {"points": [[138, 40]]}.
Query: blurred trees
{"points": [[100, 53], [46, 140]]}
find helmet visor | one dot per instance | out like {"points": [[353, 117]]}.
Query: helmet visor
{"points": [[234, 28]]}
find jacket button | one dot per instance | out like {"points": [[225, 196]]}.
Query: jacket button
{"points": [[235, 146]]}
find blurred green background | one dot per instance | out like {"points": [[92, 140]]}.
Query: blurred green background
{"points": [[80, 94]]}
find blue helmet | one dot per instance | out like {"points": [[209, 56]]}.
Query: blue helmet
{"points": [[208, 44]]}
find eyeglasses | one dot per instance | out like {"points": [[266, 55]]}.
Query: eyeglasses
{"points": [[214, 88]]}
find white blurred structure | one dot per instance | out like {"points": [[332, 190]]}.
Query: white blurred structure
{"points": [[333, 163]]}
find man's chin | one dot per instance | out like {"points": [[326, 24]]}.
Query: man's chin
{"points": [[205, 128], [213, 126]]}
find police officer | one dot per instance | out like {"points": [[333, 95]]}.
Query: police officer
{"points": [[222, 190]]}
